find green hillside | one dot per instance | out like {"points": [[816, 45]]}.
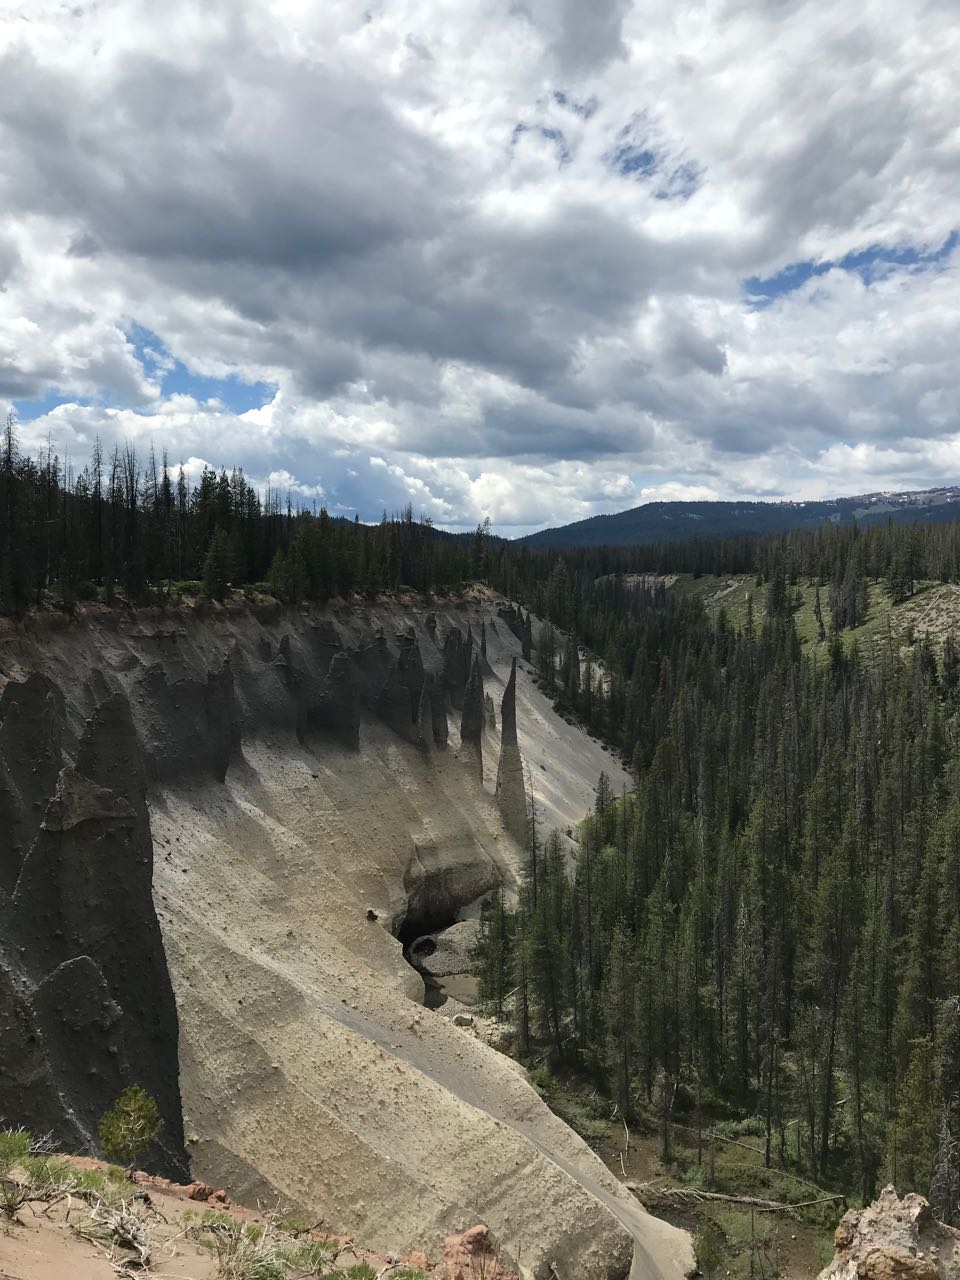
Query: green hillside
{"points": [[933, 609]]}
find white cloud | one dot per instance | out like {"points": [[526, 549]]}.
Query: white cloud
{"points": [[501, 247]]}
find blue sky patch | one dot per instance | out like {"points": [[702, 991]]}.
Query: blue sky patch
{"points": [[870, 264], [556, 136], [582, 109], [634, 162], [27, 410], [639, 159], [176, 379]]}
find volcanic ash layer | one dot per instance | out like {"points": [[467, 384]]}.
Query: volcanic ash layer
{"points": [[297, 786]]}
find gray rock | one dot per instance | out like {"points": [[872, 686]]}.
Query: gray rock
{"points": [[511, 788], [471, 722]]}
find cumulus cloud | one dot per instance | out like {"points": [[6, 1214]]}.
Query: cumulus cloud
{"points": [[526, 258]]}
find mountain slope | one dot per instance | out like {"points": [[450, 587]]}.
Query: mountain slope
{"points": [[673, 521]]}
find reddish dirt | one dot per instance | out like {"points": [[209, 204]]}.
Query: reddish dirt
{"points": [[44, 1244]]}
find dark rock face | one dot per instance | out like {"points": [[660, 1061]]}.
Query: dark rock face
{"points": [[334, 708], [29, 1088], [457, 662], [513, 618], [438, 715], [508, 709], [85, 994], [472, 720], [190, 726], [31, 715], [338, 710], [521, 626], [84, 1034], [223, 726], [398, 704], [511, 791]]}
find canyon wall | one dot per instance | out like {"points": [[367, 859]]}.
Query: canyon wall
{"points": [[300, 787]]}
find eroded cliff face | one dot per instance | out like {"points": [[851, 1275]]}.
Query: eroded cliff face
{"points": [[298, 786], [86, 1003]]}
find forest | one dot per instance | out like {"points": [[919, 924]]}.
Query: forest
{"points": [[131, 530], [769, 920]]}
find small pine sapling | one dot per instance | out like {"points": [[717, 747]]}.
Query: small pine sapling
{"points": [[130, 1125]]}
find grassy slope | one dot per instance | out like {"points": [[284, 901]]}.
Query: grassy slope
{"points": [[933, 609]]}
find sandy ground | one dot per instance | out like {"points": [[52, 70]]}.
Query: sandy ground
{"points": [[45, 1240]]}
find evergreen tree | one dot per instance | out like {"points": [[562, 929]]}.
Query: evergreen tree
{"points": [[216, 567]]}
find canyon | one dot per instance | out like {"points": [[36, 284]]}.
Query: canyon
{"points": [[227, 825]]}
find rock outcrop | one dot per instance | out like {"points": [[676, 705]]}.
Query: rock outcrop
{"points": [[522, 627], [894, 1239], [337, 711], [398, 703], [31, 720], [511, 791], [471, 1254], [457, 664], [474, 712], [473, 719], [85, 982]]}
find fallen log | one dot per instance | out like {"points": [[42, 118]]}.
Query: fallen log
{"points": [[652, 1193]]}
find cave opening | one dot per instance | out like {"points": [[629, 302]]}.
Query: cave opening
{"points": [[414, 927], [412, 933]]}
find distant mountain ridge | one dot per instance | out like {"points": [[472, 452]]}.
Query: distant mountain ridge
{"points": [[675, 521]]}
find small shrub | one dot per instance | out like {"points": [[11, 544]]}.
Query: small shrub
{"points": [[249, 1251], [541, 1079], [14, 1145], [46, 1173], [309, 1256], [130, 1126], [29, 1172], [295, 1224], [709, 1248], [697, 1176], [588, 1126], [748, 1127]]}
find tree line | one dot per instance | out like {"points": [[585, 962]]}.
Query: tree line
{"points": [[133, 529], [130, 527]]}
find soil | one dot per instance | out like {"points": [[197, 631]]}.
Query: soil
{"points": [[45, 1244]]}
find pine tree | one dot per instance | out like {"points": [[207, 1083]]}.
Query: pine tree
{"points": [[618, 1014], [216, 568]]}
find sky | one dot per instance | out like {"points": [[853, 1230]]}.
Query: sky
{"points": [[526, 259]]}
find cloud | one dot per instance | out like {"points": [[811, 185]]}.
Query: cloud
{"points": [[540, 259], [582, 37]]}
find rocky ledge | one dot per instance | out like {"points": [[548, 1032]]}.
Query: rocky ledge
{"points": [[894, 1239]]}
